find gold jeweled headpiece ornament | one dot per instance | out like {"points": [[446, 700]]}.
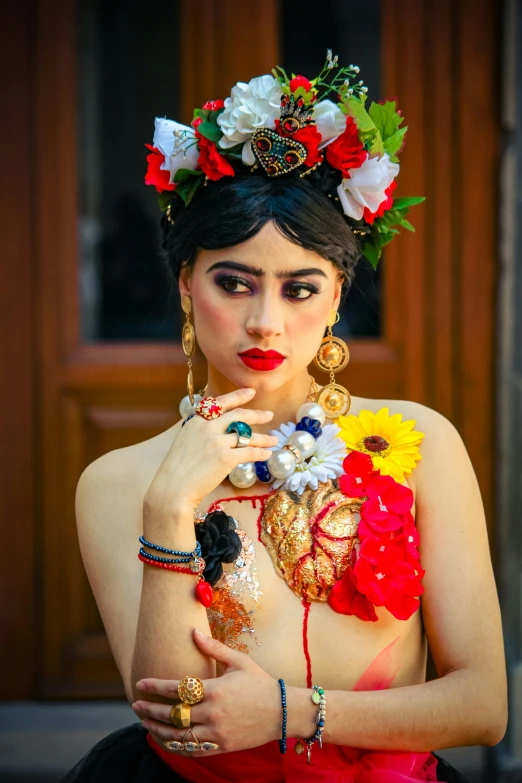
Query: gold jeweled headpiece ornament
{"points": [[301, 129]]}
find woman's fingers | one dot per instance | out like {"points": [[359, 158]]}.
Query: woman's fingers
{"points": [[236, 398], [167, 688], [257, 440], [161, 712]]}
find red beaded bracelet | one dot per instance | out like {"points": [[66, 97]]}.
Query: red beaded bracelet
{"points": [[203, 589]]}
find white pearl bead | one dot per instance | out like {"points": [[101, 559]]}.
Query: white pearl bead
{"points": [[243, 475], [304, 441], [312, 409], [282, 464], [185, 408]]}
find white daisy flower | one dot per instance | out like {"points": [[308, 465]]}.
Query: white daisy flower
{"points": [[325, 463]]}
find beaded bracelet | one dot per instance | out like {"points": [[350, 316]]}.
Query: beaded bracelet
{"points": [[319, 698], [158, 559], [175, 552], [204, 592], [282, 741]]}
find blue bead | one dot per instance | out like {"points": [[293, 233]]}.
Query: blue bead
{"points": [[262, 471], [313, 426]]}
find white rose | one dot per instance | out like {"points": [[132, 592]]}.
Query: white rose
{"points": [[330, 121], [366, 186], [250, 106], [177, 143]]}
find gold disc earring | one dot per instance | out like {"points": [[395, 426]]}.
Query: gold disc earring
{"points": [[188, 342], [333, 356]]}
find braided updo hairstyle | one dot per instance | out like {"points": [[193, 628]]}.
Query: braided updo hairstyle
{"points": [[232, 210]]}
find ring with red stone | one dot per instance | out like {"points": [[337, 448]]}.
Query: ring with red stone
{"points": [[209, 408]]}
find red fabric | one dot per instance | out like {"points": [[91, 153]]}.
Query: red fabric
{"points": [[332, 764]]}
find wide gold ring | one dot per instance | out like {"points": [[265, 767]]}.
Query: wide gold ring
{"points": [[180, 715], [191, 690]]}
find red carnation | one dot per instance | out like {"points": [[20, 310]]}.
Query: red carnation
{"points": [[345, 598], [300, 81], [311, 138], [394, 587], [383, 206], [346, 152], [358, 471], [214, 105], [156, 176], [212, 163]]}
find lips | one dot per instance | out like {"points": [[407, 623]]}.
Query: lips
{"points": [[256, 359]]}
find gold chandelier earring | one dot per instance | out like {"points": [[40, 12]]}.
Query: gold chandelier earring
{"points": [[332, 357], [188, 342]]}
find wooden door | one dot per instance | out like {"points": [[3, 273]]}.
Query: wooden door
{"points": [[91, 397]]}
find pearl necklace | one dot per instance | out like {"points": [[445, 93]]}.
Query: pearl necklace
{"points": [[299, 446]]}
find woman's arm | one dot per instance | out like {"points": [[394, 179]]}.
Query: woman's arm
{"points": [[466, 705], [149, 613]]}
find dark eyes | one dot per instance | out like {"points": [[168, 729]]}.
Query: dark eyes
{"points": [[295, 291]]}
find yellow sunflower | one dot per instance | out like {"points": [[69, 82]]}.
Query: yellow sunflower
{"points": [[392, 443]]}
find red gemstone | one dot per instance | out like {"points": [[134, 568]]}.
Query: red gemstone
{"points": [[291, 157], [204, 593], [264, 144], [290, 125], [272, 170]]}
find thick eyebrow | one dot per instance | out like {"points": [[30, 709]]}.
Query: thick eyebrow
{"points": [[257, 272]]}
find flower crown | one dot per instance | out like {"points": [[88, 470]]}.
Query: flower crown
{"points": [[274, 125]]}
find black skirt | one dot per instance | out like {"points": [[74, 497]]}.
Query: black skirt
{"points": [[126, 757]]}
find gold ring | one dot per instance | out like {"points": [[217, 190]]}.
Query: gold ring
{"points": [[191, 690], [180, 715]]}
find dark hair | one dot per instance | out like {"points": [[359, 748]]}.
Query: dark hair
{"points": [[233, 209]]}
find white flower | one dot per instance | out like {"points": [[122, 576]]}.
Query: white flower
{"points": [[330, 121], [325, 463], [366, 186], [250, 106], [177, 143]]}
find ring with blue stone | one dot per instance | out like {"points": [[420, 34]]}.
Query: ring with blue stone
{"points": [[243, 431]]}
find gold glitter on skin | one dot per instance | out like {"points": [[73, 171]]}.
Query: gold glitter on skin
{"points": [[310, 537], [237, 589]]}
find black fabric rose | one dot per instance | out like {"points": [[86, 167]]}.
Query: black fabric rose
{"points": [[219, 544]]}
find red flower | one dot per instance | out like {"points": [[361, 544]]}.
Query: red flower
{"points": [[383, 206], [387, 502], [311, 138], [345, 598], [212, 163], [160, 178], [394, 585], [214, 105], [346, 152], [300, 81], [358, 469]]}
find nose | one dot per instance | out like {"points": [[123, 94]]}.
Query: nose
{"points": [[265, 317]]}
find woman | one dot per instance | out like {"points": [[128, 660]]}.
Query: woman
{"points": [[299, 548]]}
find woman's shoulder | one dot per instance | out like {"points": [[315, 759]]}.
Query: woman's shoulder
{"points": [[121, 477]]}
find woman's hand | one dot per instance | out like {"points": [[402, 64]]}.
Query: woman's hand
{"points": [[202, 455], [242, 709]]}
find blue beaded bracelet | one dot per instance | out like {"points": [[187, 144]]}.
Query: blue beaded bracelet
{"points": [[187, 555], [165, 559], [282, 741]]}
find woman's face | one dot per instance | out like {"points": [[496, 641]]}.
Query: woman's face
{"points": [[264, 295]]}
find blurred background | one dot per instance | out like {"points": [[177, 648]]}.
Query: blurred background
{"points": [[90, 352]]}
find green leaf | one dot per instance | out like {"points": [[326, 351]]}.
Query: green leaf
{"points": [[407, 201], [394, 143], [185, 175], [210, 130], [407, 225], [387, 120], [164, 199], [187, 189], [371, 253], [368, 132]]}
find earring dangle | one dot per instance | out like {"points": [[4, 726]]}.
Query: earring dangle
{"points": [[188, 404], [332, 357]]}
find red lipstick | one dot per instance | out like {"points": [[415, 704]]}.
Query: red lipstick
{"points": [[256, 359]]}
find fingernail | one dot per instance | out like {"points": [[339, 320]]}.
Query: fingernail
{"points": [[140, 684], [200, 634]]}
